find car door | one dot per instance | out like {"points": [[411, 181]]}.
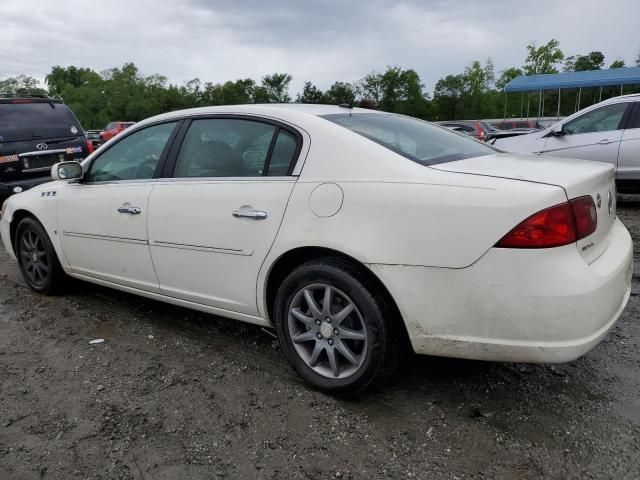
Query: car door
{"points": [[102, 220], [629, 156], [594, 135], [213, 222]]}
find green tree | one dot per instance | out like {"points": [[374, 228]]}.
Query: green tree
{"points": [[617, 63], [310, 94], [340, 93], [507, 75], [582, 63], [447, 96], [21, 85], [274, 89], [543, 59]]}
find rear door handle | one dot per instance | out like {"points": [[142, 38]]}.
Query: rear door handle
{"points": [[130, 210], [605, 141], [252, 214]]}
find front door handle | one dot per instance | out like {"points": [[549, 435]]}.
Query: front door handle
{"points": [[130, 210], [252, 214], [605, 141]]}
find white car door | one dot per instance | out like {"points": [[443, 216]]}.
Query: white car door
{"points": [[594, 135], [629, 157], [212, 224], [102, 220]]}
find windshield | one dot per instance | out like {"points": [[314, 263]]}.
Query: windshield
{"points": [[29, 121], [414, 139]]}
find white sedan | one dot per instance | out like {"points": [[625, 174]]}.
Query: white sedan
{"points": [[356, 234]]}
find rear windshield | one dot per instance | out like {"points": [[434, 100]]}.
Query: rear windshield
{"points": [[414, 139], [28, 121]]}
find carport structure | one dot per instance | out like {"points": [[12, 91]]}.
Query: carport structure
{"points": [[611, 80]]}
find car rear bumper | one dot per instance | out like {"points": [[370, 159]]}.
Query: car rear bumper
{"points": [[515, 305], [5, 234]]}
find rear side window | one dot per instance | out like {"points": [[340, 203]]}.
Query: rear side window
{"points": [[414, 139], [234, 147], [30, 121], [283, 152]]}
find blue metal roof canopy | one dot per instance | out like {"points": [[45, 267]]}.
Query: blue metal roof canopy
{"points": [[591, 78]]}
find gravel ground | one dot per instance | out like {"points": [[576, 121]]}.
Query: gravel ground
{"points": [[174, 394]]}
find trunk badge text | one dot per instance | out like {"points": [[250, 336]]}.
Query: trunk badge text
{"points": [[610, 199], [598, 200]]}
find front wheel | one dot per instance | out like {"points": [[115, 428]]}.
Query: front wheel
{"points": [[335, 327], [37, 258]]}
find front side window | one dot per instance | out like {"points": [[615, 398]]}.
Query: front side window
{"points": [[135, 157], [227, 147], [599, 120], [414, 139]]}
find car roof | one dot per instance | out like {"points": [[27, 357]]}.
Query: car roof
{"points": [[276, 110]]}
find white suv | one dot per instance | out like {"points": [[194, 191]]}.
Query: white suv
{"points": [[606, 132]]}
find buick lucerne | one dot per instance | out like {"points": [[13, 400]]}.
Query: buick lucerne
{"points": [[356, 234]]}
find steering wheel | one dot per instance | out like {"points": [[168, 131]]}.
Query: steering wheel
{"points": [[146, 169]]}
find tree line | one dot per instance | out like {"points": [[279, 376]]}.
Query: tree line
{"points": [[125, 94]]}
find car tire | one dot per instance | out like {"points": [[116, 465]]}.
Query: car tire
{"points": [[37, 258], [308, 335]]}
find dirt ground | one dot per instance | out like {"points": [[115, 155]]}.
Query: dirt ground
{"points": [[175, 394]]}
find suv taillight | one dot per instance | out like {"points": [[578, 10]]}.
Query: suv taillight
{"points": [[555, 226], [89, 146], [479, 131]]}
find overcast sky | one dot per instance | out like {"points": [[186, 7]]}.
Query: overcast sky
{"points": [[322, 41]]}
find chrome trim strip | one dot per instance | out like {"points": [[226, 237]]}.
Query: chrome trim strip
{"points": [[202, 248], [42, 153], [39, 169], [110, 238]]}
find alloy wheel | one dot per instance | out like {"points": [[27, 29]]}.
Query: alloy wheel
{"points": [[327, 331]]}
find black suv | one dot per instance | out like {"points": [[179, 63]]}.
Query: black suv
{"points": [[35, 132]]}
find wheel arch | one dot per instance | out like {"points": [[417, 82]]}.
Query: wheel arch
{"points": [[295, 257], [16, 218]]}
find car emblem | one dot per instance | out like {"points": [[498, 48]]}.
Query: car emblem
{"points": [[598, 200], [610, 202], [42, 146]]}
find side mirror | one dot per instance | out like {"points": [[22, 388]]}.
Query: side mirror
{"points": [[66, 171], [557, 131]]}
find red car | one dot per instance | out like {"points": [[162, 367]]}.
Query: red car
{"points": [[112, 129]]}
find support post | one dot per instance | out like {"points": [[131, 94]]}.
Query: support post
{"points": [[579, 97], [558, 104], [600, 98], [522, 107], [505, 105], [528, 103], [620, 90], [539, 103], [543, 95]]}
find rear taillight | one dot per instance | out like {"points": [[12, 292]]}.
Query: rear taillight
{"points": [[555, 226], [479, 132], [89, 146], [584, 211]]}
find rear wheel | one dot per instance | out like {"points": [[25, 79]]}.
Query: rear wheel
{"points": [[335, 327], [37, 258]]}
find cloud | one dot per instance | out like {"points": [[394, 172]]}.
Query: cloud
{"points": [[322, 41]]}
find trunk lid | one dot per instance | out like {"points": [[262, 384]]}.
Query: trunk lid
{"points": [[577, 177]]}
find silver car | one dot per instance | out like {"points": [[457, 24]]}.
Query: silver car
{"points": [[606, 132]]}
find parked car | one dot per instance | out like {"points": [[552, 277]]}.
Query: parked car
{"points": [[514, 132], [35, 132], [517, 124], [94, 137], [113, 129], [354, 233], [473, 128], [606, 132]]}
